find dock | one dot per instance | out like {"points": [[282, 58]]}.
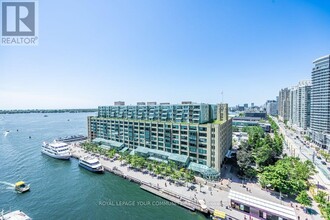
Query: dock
{"points": [[172, 197]]}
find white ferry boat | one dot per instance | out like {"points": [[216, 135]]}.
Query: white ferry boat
{"points": [[14, 215], [91, 163], [58, 150]]}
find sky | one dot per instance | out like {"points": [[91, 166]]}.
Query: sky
{"points": [[93, 53]]}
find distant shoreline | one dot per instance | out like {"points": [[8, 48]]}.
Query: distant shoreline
{"points": [[47, 111]]}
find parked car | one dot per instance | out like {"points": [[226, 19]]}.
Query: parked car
{"points": [[318, 157], [323, 162], [328, 168]]}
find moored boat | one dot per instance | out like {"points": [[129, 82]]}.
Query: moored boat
{"points": [[91, 163], [72, 138], [58, 150], [22, 187], [14, 215]]}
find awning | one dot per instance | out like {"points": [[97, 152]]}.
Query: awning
{"points": [[219, 214], [123, 150]]}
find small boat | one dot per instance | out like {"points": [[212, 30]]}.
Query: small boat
{"points": [[6, 133], [91, 163], [56, 149], [14, 215], [21, 187], [45, 116]]}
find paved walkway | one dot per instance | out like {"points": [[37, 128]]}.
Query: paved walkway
{"points": [[215, 195]]}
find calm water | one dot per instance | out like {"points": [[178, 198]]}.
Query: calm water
{"points": [[60, 189]]}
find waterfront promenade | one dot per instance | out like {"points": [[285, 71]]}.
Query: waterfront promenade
{"points": [[215, 195]]}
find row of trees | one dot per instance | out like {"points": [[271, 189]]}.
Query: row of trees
{"points": [[159, 168], [95, 148], [262, 156], [273, 124], [322, 198], [325, 155], [289, 175], [169, 169]]}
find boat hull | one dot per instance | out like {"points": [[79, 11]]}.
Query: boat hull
{"points": [[91, 169], [23, 190], [18, 214], [60, 157]]}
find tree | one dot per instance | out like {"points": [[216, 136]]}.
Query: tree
{"points": [[304, 199], [263, 155], [321, 197], [149, 167], [288, 175], [111, 153], [121, 158], [158, 170], [273, 125], [244, 156]]}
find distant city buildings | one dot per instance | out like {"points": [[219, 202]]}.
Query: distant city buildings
{"points": [[284, 104], [295, 106], [306, 106], [119, 103], [271, 107], [195, 136], [300, 105]]}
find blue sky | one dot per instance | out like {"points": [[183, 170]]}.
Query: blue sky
{"points": [[93, 53]]}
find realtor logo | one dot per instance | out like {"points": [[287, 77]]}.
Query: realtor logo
{"points": [[19, 25]]}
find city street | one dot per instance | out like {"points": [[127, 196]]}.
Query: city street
{"points": [[295, 147]]}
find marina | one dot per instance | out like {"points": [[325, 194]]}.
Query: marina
{"points": [[52, 180]]}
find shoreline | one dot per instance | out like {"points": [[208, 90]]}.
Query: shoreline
{"points": [[158, 191], [209, 197]]}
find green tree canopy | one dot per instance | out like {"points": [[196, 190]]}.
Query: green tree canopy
{"points": [[304, 199], [288, 175]]}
